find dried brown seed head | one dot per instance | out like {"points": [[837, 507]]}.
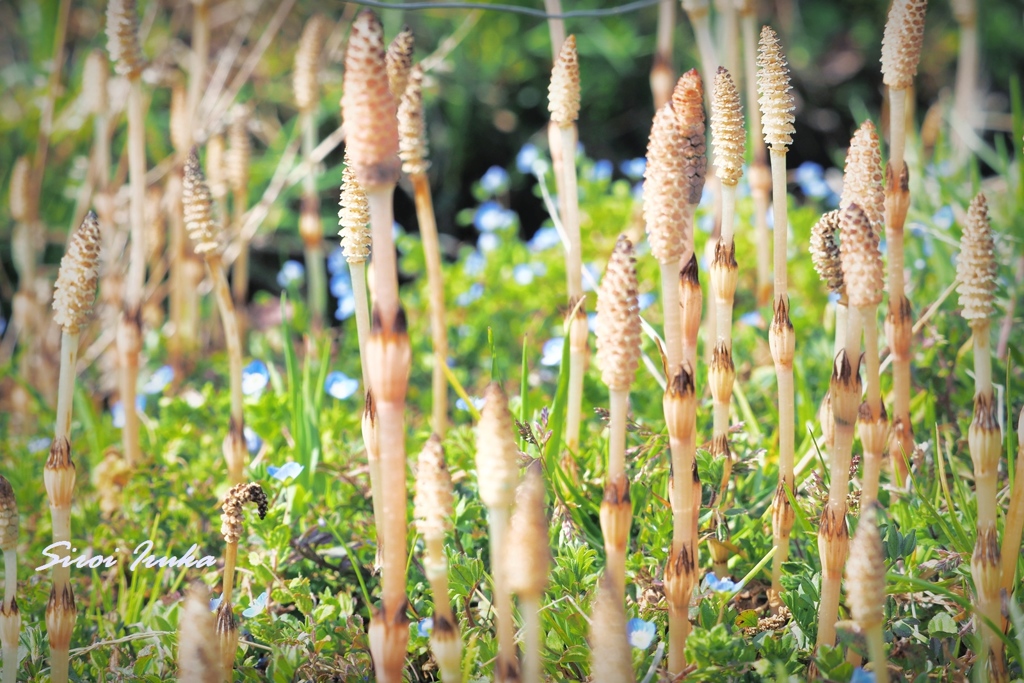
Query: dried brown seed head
{"points": [[825, 252], [20, 195], [197, 206], [198, 658], [75, 290], [529, 555], [432, 503], [368, 109], [94, 83], [665, 195], [239, 150], [232, 517], [412, 134], [863, 272], [610, 653], [564, 89], [496, 453], [863, 178], [688, 105], [354, 218], [618, 319], [399, 61], [727, 129], [776, 97], [976, 267], [901, 42], [865, 573], [8, 516], [123, 37], [180, 126], [305, 77]]}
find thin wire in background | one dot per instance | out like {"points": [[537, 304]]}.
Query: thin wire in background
{"points": [[513, 9]]}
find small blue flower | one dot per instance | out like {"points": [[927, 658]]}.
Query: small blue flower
{"points": [[543, 239], [600, 171], [525, 158], [117, 410], [592, 322], [862, 676], [3, 324], [810, 176], [425, 626], [339, 385], [753, 319], [638, 191], [346, 307], [487, 242], [257, 606], [42, 443], [634, 168], [552, 352], [466, 298], [336, 262], [640, 633], [255, 377], [595, 276], [253, 442], [474, 264], [491, 216], [523, 274], [478, 403], [341, 283], [287, 471], [158, 380], [645, 300], [706, 196], [494, 181], [725, 585], [215, 603], [291, 273]]}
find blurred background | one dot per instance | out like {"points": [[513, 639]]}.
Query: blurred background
{"points": [[485, 101]]}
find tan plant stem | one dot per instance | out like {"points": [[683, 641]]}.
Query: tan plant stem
{"points": [[234, 444], [897, 129], [873, 421], [10, 618], [129, 337], [876, 653], [357, 272], [436, 569], [385, 268], [199, 58], [760, 190], [555, 26], [966, 70], [176, 345], [61, 611], [498, 520], [672, 315], [574, 274], [701, 21], [230, 561], [529, 609], [312, 233], [899, 319], [662, 74], [435, 283], [618, 408], [66, 383], [240, 268], [779, 211], [760, 177], [1014, 525]]}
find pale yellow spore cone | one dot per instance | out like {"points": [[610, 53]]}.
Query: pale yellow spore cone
{"points": [[75, 290], [665, 192], [197, 206], [354, 218], [123, 37], [688, 105], [529, 556], [863, 271], [497, 457], [305, 77], [727, 129], [976, 266], [863, 180], [775, 92], [432, 503], [618, 319], [825, 252], [564, 89], [412, 134], [399, 61], [902, 41], [865, 573], [198, 655]]}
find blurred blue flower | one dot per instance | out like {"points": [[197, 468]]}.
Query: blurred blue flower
{"points": [[753, 319], [545, 238], [253, 442], [487, 242], [638, 191], [478, 403], [117, 410], [339, 385], [158, 380], [589, 283], [640, 633], [466, 298], [257, 606], [706, 196], [3, 324], [341, 283], [721, 585], [706, 222], [291, 273], [491, 216], [645, 300], [425, 626], [494, 181], [525, 158], [255, 377], [552, 351], [474, 264], [215, 603], [592, 322], [336, 262], [287, 471], [862, 676], [396, 230], [346, 307], [42, 443], [522, 274], [600, 171], [811, 178], [634, 168]]}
